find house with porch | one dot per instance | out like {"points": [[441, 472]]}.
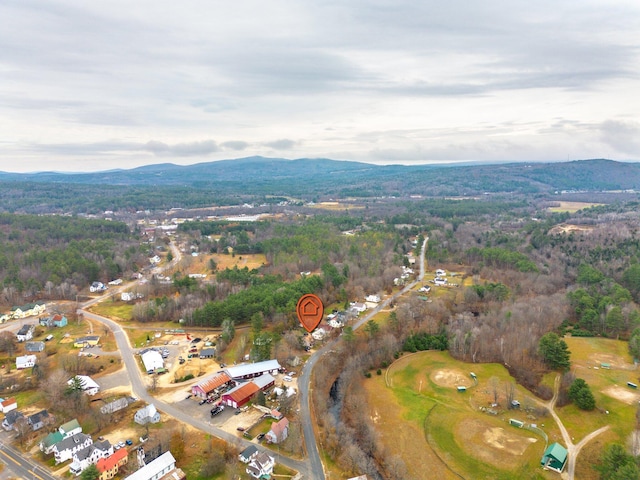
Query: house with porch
{"points": [[90, 456], [64, 449]]}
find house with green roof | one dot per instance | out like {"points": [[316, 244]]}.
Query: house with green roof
{"points": [[70, 428], [554, 458], [46, 445]]}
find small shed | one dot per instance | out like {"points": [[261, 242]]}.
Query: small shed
{"points": [[606, 366], [632, 385], [473, 375], [516, 423], [554, 458], [208, 353], [462, 389]]}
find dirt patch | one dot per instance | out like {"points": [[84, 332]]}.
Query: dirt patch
{"points": [[499, 438], [246, 420], [625, 395], [506, 445], [615, 361], [446, 377], [567, 228]]}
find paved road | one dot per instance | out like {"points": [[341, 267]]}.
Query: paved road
{"points": [[22, 467], [139, 388], [304, 381]]}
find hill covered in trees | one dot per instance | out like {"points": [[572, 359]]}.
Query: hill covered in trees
{"points": [[232, 182]]}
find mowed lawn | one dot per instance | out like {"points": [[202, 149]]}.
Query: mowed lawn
{"points": [[423, 418], [609, 387]]}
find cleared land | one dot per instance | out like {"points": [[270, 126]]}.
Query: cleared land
{"points": [[573, 206], [466, 434]]}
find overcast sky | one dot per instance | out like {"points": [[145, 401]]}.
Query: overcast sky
{"points": [[95, 85]]}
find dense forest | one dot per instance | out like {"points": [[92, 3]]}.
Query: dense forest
{"points": [[54, 257]]}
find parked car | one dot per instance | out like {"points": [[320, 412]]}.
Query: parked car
{"points": [[260, 437], [216, 410], [287, 378], [240, 429], [188, 396], [129, 442], [202, 402], [121, 444]]}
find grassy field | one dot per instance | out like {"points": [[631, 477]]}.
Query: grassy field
{"points": [[573, 207], [456, 434]]}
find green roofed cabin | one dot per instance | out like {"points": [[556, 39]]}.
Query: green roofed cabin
{"points": [[554, 458]]}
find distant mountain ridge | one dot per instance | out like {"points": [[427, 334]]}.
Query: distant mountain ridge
{"points": [[226, 181]]}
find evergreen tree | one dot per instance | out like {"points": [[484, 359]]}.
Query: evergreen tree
{"points": [[554, 351]]}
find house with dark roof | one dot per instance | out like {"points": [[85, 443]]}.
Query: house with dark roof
{"points": [[208, 352], [39, 420], [261, 466], [25, 333], [248, 453], [90, 456], [34, 347], [109, 466], [10, 420], [279, 431], [64, 449]]}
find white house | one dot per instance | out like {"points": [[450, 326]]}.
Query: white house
{"points": [[97, 287], [152, 360], [88, 384], [64, 449], [372, 298], [70, 428], [148, 414], [440, 273], [25, 361], [261, 465], [156, 469], [90, 456], [8, 405], [25, 333]]}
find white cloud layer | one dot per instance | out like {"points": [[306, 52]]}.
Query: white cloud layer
{"points": [[117, 84]]}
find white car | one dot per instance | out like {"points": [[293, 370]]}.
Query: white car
{"points": [[287, 378]]}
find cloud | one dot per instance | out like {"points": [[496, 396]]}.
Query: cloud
{"points": [[624, 136], [236, 145], [282, 144]]}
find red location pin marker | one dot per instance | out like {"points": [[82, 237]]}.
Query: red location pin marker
{"points": [[310, 311]]}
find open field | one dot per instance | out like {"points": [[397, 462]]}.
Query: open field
{"points": [[463, 433], [572, 207], [448, 428], [337, 206]]}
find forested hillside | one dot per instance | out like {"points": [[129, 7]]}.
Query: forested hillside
{"points": [[258, 180]]}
